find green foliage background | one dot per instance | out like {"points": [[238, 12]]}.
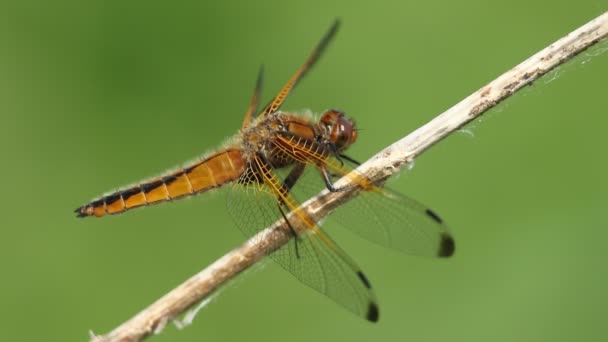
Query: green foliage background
{"points": [[99, 94]]}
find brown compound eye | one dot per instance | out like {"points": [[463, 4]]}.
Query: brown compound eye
{"points": [[339, 129]]}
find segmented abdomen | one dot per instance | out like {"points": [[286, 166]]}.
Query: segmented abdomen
{"points": [[214, 171]]}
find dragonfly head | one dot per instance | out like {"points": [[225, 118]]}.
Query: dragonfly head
{"points": [[340, 130]]}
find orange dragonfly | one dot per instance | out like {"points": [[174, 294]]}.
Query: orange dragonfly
{"points": [[277, 157]]}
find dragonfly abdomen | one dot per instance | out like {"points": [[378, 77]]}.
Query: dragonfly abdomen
{"points": [[212, 172]]}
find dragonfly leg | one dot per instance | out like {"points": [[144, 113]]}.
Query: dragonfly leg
{"points": [[335, 152], [345, 157], [329, 184], [264, 168], [293, 231], [293, 176], [339, 156]]}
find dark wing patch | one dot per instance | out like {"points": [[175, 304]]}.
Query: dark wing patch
{"points": [[373, 313], [447, 246]]}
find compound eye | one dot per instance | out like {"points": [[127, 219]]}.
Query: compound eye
{"points": [[343, 132], [330, 118], [353, 135], [339, 129]]}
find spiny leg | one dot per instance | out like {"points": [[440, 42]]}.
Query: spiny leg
{"points": [[291, 229], [329, 184], [334, 151], [293, 176], [339, 156], [287, 185], [311, 149], [347, 158], [263, 167]]}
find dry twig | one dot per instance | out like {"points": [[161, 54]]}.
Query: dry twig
{"points": [[382, 165]]}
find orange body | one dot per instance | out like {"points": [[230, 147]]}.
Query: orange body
{"points": [[214, 171], [273, 140], [282, 139]]}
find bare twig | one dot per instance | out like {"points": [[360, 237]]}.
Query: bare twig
{"points": [[382, 165]]}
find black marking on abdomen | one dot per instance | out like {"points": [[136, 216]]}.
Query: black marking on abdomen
{"points": [[151, 186], [190, 168], [82, 211], [169, 179], [364, 280], [373, 312], [130, 192], [97, 203], [434, 216], [111, 198]]}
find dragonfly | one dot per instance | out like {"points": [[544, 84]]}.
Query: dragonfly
{"points": [[278, 158]]}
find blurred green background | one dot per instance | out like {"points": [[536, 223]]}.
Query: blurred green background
{"points": [[100, 94]]}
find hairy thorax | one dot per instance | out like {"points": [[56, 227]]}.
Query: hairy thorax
{"points": [[265, 135]]}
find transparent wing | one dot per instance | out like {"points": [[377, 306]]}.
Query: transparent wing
{"points": [[385, 217], [255, 100], [397, 222], [278, 100], [312, 257]]}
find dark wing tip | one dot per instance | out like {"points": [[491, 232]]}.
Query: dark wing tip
{"points": [[373, 312], [447, 246]]}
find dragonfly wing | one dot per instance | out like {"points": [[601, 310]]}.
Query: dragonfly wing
{"points": [[312, 257], [255, 100], [384, 216], [397, 222], [276, 103]]}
